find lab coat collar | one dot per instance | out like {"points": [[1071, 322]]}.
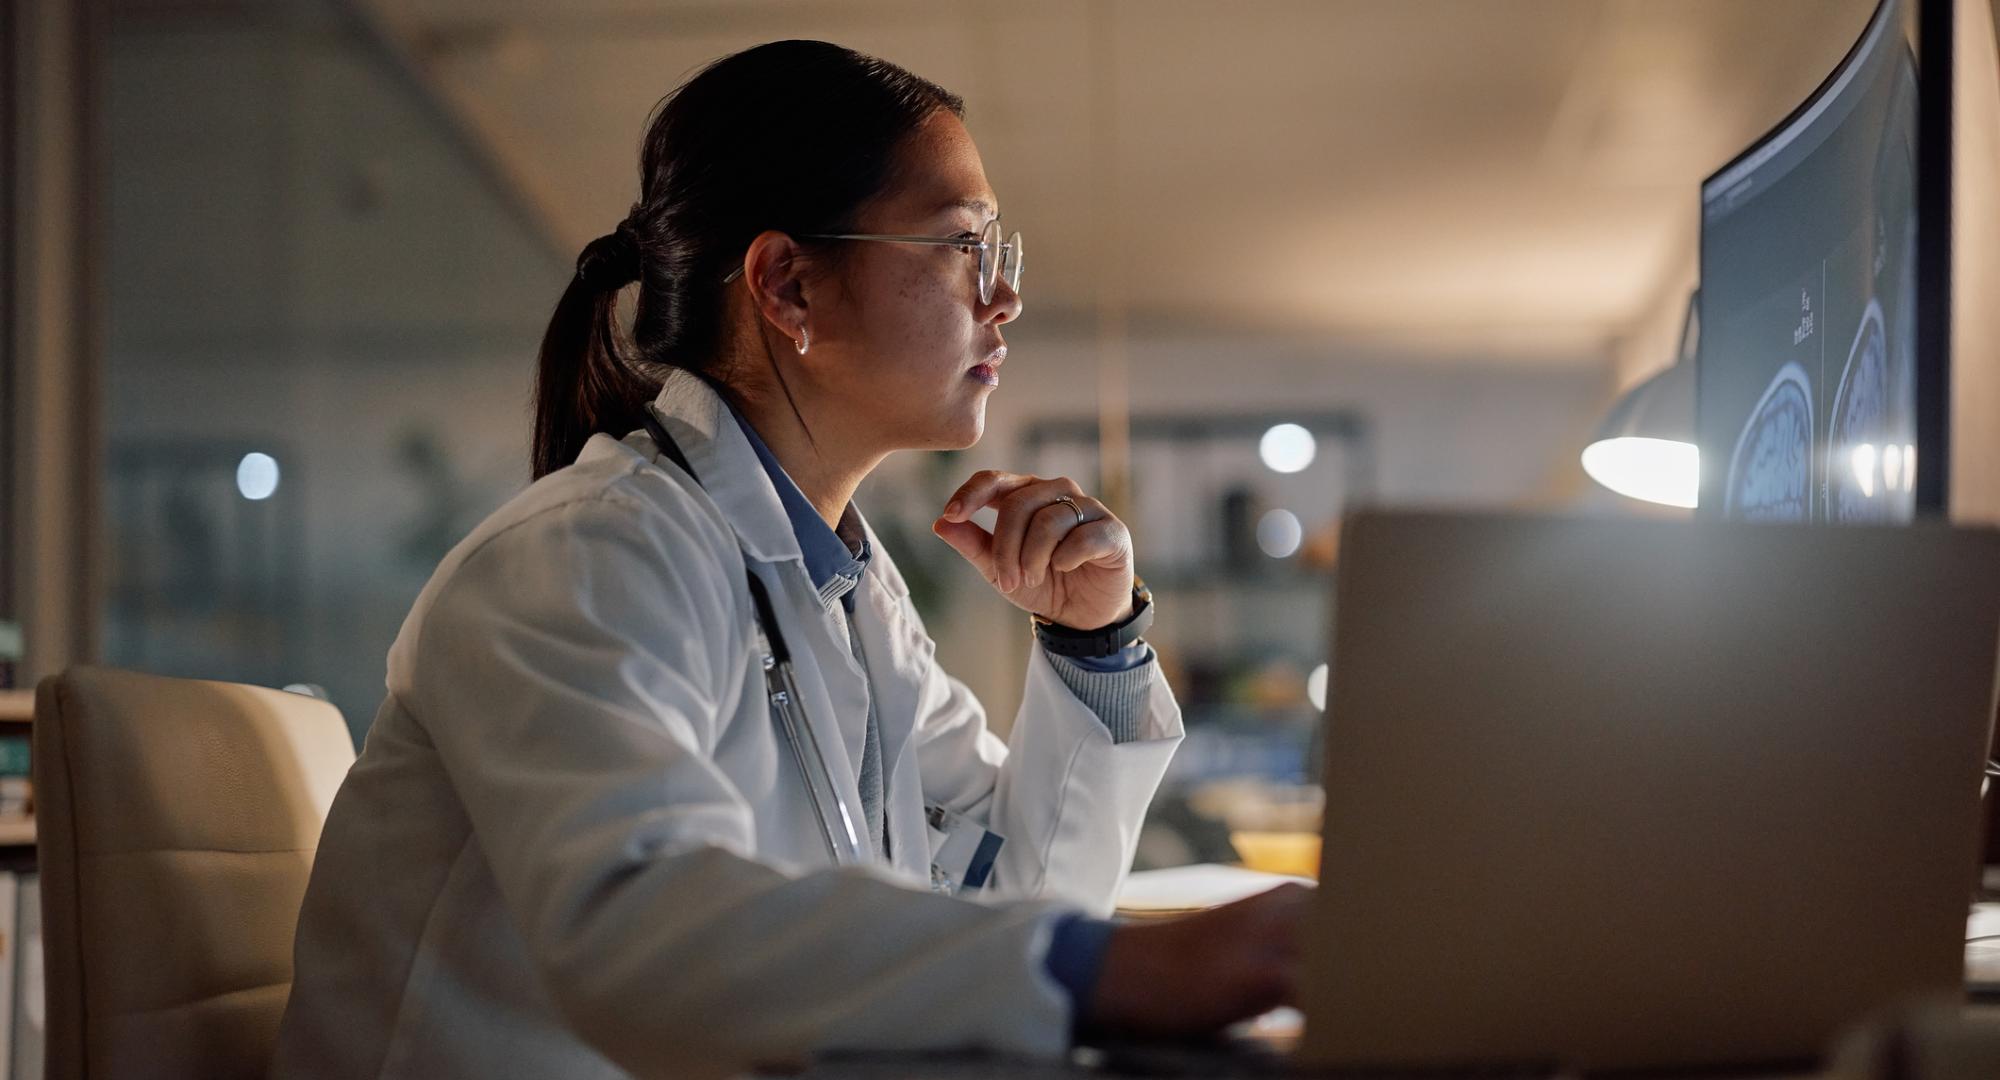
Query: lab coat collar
{"points": [[727, 467]]}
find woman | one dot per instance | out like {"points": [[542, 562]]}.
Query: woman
{"points": [[582, 841]]}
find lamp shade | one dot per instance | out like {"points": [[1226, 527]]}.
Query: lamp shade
{"points": [[1645, 448]]}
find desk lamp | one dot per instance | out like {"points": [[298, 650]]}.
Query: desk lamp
{"points": [[1645, 447]]}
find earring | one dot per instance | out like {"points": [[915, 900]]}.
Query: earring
{"points": [[804, 342]]}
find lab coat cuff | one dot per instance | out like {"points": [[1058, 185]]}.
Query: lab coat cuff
{"points": [[1072, 840]]}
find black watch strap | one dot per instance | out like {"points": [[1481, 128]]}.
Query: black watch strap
{"points": [[1103, 641]]}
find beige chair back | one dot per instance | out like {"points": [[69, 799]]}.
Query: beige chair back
{"points": [[176, 825]]}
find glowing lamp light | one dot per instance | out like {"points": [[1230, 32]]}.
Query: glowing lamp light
{"points": [[1287, 448], [257, 476], [1279, 533], [1864, 468], [1663, 471], [1316, 687], [1645, 447]]}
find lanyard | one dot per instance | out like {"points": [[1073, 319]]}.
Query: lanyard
{"points": [[836, 825]]}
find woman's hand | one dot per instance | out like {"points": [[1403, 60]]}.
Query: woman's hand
{"points": [[1069, 562], [1194, 975]]}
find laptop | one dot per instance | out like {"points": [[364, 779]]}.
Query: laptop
{"points": [[1613, 794]]}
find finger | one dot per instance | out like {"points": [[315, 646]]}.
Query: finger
{"points": [[982, 488], [1017, 510], [1048, 527], [1103, 540], [969, 540]]}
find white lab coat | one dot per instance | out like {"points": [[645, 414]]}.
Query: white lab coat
{"points": [[576, 844]]}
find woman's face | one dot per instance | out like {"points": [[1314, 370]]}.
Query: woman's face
{"points": [[902, 351]]}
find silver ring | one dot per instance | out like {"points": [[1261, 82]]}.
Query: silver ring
{"points": [[1071, 503]]}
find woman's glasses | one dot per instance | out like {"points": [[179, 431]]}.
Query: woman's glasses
{"points": [[997, 258]]}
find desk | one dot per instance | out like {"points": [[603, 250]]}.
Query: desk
{"points": [[1179, 890], [971, 1068], [1981, 958]]}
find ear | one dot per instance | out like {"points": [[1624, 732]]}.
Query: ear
{"points": [[773, 270]]}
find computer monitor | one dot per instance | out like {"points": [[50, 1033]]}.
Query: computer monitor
{"points": [[1849, 363], [1807, 374], [1849, 368]]}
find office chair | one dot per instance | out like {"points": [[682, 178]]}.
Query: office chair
{"points": [[176, 824]]}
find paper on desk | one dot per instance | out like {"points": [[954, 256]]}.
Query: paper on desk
{"points": [[1982, 948], [1181, 889]]}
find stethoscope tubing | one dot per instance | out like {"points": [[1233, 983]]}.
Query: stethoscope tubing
{"points": [[781, 690]]}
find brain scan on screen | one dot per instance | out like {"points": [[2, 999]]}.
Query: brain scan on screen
{"points": [[1770, 473], [1864, 466]]}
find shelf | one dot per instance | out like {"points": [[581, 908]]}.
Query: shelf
{"points": [[17, 705], [1188, 580]]}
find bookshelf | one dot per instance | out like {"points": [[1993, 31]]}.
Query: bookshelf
{"points": [[17, 834]]}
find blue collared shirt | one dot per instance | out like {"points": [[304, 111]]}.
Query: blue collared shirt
{"points": [[834, 562]]}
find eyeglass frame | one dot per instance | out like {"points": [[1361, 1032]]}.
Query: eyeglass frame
{"points": [[982, 245]]}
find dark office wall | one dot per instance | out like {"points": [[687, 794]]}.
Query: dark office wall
{"points": [[302, 262]]}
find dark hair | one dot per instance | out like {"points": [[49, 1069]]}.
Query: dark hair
{"points": [[795, 136]]}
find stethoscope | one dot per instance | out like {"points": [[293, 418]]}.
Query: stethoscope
{"points": [[836, 824]]}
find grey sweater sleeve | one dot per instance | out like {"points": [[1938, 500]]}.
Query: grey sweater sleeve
{"points": [[1117, 697]]}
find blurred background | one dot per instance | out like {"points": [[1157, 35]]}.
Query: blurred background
{"points": [[278, 270]]}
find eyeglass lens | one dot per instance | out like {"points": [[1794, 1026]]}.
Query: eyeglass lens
{"points": [[998, 259]]}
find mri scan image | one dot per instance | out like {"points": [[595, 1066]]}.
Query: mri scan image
{"points": [[1866, 466], [1770, 472]]}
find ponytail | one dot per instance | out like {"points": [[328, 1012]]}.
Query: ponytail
{"points": [[583, 382], [710, 180]]}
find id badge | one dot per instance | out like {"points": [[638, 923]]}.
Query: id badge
{"points": [[962, 851]]}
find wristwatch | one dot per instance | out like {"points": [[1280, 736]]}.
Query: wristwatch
{"points": [[1103, 641]]}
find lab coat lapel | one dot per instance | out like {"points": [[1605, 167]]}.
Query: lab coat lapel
{"points": [[896, 670], [899, 656], [843, 678], [834, 687]]}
